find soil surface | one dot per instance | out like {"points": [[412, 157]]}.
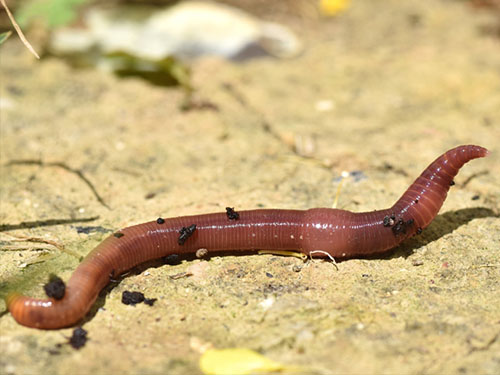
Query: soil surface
{"points": [[382, 89]]}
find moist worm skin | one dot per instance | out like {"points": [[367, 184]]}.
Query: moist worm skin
{"points": [[340, 233]]}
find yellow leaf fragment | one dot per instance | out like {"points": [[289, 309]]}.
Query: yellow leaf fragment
{"points": [[288, 253], [333, 7], [237, 361]]}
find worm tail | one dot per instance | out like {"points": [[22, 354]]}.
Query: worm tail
{"points": [[81, 292], [423, 199]]}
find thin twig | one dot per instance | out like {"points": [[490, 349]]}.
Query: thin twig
{"points": [[57, 245], [18, 29], [66, 168], [484, 266], [21, 238], [343, 176], [181, 275]]}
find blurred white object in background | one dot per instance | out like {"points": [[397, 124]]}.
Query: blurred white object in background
{"points": [[184, 31]]}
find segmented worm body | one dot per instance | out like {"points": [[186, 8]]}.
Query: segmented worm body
{"points": [[337, 232]]}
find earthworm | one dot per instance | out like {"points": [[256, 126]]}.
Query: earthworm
{"points": [[336, 232]]}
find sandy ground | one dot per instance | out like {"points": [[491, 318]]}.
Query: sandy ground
{"points": [[402, 82]]}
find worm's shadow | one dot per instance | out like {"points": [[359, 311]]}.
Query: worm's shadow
{"points": [[442, 225], [137, 270]]}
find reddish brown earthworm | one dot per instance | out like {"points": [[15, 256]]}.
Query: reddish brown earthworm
{"points": [[338, 233]]}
